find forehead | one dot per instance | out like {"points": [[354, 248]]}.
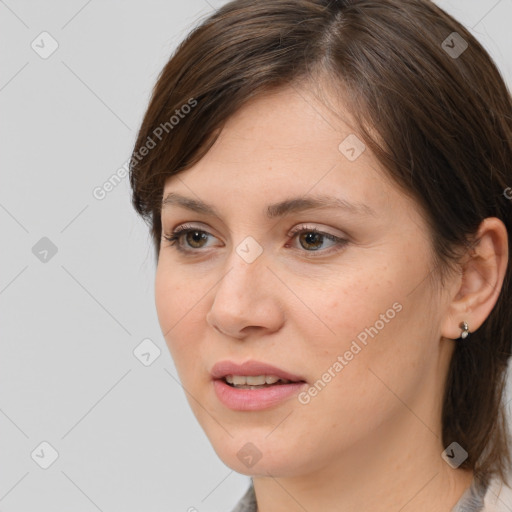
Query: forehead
{"points": [[287, 143]]}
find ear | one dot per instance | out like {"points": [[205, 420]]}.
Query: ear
{"points": [[482, 273]]}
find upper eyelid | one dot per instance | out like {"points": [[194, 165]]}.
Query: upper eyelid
{"points": [[303, 226], [306, 227]]}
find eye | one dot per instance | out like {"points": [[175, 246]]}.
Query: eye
{"points": [[312, 239], [188, 238]]}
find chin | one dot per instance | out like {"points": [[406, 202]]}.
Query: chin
{"points": [[253, 455], [266, 466]]}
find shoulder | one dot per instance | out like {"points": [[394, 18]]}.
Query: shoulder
{"points": [[248, 502], [498, 497]]}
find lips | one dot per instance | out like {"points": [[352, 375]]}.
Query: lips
{"points": [[252, 368], [232, 385]]}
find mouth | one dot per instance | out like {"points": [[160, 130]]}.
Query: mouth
{"points": [[254, 381], [252, 373], [253, 385]]}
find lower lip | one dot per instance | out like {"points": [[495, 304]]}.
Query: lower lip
{"points": [[255, 399]]}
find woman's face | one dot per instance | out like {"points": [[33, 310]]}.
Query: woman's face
{"points": [[349, 311]]}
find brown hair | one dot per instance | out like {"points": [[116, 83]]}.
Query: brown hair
{"points": [[444, 128]]}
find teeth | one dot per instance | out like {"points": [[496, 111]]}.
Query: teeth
{"points": [[239, 380], [253, 380]]}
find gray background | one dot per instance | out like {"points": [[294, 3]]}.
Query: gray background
{"points": [[124, 434]]}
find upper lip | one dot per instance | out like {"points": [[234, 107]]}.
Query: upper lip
{"points": [[251, 368]]}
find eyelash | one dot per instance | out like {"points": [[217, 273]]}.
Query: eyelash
{"points": [[184, 229]]}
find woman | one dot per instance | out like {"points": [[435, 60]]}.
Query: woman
{"points": [[328, 190]]}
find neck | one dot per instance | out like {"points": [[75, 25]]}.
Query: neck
{"points": [[401, 470]]}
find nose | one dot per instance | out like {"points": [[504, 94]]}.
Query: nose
{"points": [[246, 300]]}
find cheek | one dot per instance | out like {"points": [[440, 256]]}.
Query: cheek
{"points": [[349, 303], [372, 322], [166, 289], [177, 307]]}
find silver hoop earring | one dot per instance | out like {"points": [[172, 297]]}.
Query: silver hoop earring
{"points": [[465, 330]]}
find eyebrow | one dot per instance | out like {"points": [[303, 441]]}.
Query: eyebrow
{"points": [[291, 205]]}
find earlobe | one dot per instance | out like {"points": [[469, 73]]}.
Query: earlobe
{"points": [[483, 273]]}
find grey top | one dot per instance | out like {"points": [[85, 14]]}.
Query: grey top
{"points": [[471, 501]]}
